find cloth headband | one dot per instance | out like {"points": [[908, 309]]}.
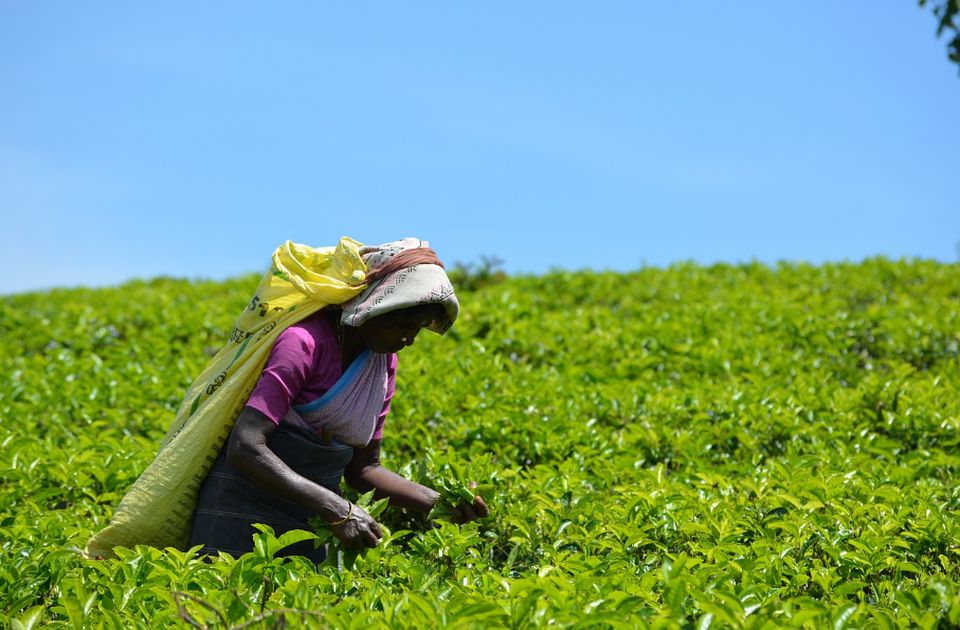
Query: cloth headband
{"points": [[406, 258]]}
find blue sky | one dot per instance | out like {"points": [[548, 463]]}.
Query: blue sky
{"points": [[190, 139]]}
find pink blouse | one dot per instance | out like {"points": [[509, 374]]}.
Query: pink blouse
{"points": [[303, 364]]}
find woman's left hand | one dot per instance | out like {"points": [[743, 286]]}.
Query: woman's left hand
{"points": [[466, 512]]}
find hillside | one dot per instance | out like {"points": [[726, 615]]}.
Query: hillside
{"points": [[732, 445]]}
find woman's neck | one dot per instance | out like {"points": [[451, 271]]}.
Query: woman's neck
{"points": [[351, 344]]}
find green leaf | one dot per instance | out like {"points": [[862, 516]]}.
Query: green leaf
{"points": [[848, 588], [29, 620], [842, 616], [293, 536]]}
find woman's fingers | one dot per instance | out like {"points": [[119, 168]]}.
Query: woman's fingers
{"points": [[359, 537], [370, 539], [369, 530], [480, 507], [347, 533], [370, 533], [348, 538], [468, 512]]}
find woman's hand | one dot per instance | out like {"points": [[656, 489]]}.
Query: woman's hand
{"points": [[359, 531], [466, 512]]}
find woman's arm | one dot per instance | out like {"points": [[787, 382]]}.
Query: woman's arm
{"points": [[247, 451], [364, 473]]}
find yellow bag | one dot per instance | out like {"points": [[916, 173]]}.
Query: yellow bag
{"points": [[158, 508]]}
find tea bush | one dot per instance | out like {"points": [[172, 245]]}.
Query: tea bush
{"points": [[729, 446]]}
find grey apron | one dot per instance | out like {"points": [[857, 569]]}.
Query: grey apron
{"points": [[228, 503]]}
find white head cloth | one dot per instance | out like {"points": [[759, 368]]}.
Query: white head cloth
{"points": [[406, 287]]}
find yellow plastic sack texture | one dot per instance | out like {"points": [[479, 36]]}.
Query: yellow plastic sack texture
{"points": [[158, 508]]}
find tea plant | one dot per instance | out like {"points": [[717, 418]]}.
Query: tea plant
{"points": [[729, 446]]}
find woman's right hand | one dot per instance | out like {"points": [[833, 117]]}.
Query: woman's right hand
{"points": [[466, 512], [359, 531]]}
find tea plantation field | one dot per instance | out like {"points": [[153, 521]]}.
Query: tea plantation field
{"points": [[726, 446]]}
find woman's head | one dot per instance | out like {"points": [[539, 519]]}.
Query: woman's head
{"points": [[395, 330], [401, 275]]}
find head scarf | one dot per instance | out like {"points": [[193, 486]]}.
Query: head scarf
{"points": [[401, 274]]}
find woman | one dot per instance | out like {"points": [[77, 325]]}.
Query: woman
{"points": [[318, 410]]}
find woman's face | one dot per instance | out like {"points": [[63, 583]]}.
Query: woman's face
{"points": [[394, 331]]}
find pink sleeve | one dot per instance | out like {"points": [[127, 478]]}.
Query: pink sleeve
{"points": [[391, 388], [288, 366]]}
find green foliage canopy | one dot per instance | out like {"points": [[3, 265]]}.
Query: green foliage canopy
{"points": [[736, 446]]}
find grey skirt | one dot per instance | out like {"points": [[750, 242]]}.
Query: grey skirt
{"points": [[229, 504]]}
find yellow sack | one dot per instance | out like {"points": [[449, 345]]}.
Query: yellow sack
{"points": [[158, 508]]}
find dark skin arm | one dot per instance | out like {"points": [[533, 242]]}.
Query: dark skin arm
{"points": [[388, 333], [364, 473], [247, 451]]}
